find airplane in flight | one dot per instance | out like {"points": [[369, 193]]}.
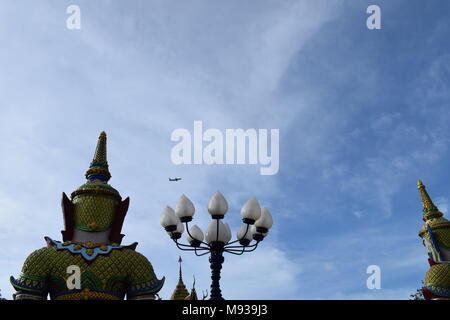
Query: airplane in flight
{"points": [[174, 179]]}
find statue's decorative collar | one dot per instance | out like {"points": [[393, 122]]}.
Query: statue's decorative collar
{"points": [[88, 250]]}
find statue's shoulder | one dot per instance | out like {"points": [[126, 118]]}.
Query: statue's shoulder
{"points": [[32, 282], [139, 267], [134, 258], [40, 257], [41, 253], [143, 283]]}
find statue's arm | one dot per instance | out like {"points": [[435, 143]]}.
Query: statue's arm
{"points": [[32, 282], [142, 281]]}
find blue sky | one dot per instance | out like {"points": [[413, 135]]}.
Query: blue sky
{"points": [[362, 116]]}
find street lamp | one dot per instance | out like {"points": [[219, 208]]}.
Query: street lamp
{"points": [[216, 240]]}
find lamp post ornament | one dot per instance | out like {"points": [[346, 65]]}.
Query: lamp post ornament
{"points": [[216, 241]]}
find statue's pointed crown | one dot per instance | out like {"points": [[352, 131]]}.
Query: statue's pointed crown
{"points": [[430, 211], [436, 229], [98, 169], [98, 173], [95, 202]]}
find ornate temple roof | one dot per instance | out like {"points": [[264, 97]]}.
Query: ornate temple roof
{"points": [[193, 294]]}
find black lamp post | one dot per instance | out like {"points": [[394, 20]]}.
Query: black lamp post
{"points": [[216, 241]]}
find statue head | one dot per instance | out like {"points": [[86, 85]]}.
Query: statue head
{"points": [[95, 206], [436, 230]]}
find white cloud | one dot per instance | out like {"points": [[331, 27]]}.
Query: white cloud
{"points": [[267, 273], [358, 213]]}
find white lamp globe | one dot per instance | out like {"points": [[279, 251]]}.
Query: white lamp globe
{"points": [[168, 219], [224, 234], [256, 235], [251, 211], [217, 206], [195, 236], [184, 209], [180, 228], [227, 233], [265, 222], [244, 235], [178, 231]]}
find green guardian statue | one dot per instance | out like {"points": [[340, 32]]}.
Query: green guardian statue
{"points": [[90, 263], [435, 235]]}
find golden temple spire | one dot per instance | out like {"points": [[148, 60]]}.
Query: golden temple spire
{"points": [[180, 292], [429, 209], [181, 276]]}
